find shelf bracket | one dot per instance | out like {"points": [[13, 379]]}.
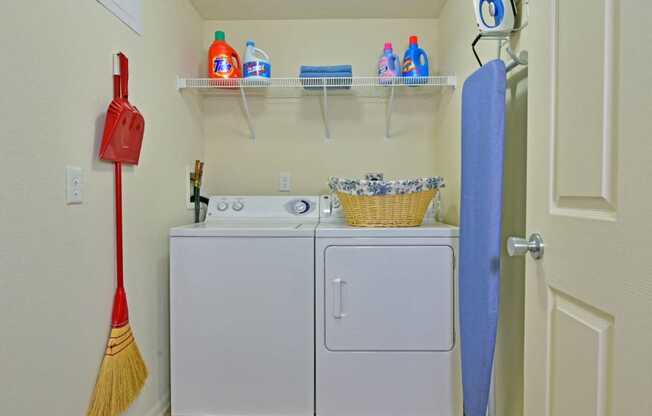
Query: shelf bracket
{"points": [[388, 113], [324, 111], [245, 108]]}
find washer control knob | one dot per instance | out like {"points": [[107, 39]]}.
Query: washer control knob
{"points": [[301, 207], [222, 206], [237, 206]]}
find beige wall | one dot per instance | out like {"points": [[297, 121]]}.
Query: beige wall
{"points": [[290, 133], [457, 30], [57, 261]]}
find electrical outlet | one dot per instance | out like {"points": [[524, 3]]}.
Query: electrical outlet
{"points": [[74, 184], [284, 182]]}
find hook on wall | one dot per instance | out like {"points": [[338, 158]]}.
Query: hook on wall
{"points": [[520, 59]]}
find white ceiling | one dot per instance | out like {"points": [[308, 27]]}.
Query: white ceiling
{"points": [[316, 9]]}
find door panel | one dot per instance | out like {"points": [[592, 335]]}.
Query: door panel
{"points": [[389, 298], [584, 162], [588, 305], [580, 350]]}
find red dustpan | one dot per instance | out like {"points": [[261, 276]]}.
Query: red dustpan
{"points": [[123, 370], [124, 127]]}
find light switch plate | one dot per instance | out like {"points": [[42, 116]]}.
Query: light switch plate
{"points": [[74, 185]]}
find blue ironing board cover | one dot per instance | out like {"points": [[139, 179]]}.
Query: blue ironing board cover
{"points": [[483, 138]]}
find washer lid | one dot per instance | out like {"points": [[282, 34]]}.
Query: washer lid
{"points": [[251, 228], [341, 229]]}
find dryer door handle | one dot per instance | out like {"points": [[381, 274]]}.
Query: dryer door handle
{"points": [[338, 306]]}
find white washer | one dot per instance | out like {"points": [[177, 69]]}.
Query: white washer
{"points": [[242, 308], [385, 319]]}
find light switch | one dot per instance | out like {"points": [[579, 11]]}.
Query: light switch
{"points": [[74, 185]]}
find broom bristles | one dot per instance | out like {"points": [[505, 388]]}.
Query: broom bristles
{"points": [[122, 375]]}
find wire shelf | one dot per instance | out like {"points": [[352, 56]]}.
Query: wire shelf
{"points": [[298, 86], [373, 87]]}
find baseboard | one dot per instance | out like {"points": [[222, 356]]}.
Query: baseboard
{"points": [[162, 408]]}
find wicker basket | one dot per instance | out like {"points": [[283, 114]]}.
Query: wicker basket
{"points": [[399, 210]]}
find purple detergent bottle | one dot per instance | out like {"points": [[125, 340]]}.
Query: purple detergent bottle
{"points": [[388, 65]]}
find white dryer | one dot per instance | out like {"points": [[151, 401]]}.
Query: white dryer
{"points": [[385, 319], [242, 308]]}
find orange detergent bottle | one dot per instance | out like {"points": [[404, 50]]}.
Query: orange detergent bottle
{"points": [[223, 60]]}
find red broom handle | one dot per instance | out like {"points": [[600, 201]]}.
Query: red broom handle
{"points": [[118, 224], [116, 86], [117, 92], [120, 315], [124, 75]]}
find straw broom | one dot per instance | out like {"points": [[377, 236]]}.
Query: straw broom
{"points": [[123, 371]]}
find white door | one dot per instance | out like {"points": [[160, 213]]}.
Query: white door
{"points": [[389, 298], [588, 329]]}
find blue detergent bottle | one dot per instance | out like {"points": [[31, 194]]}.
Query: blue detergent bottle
{"points": [[415, 62]]}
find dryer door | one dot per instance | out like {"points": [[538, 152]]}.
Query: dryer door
{"points": [[388, 298]]}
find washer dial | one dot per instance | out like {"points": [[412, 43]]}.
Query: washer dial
{"points": [[300, 207]]}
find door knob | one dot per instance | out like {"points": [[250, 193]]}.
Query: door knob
{"points": [[519, 246]]}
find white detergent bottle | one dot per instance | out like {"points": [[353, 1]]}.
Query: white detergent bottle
{"points": [[256, 63]]}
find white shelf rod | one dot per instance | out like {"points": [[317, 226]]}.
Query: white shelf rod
{"points": [[245, 108], [388, 114], [324, 111]]}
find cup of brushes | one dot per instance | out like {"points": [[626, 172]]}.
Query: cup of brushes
{"points": [[195, 178]]}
